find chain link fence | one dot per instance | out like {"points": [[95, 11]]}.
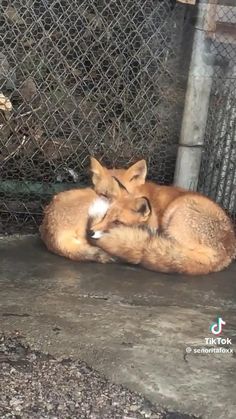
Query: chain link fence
{"points": [[106, 78], [84, 78], [218, 168]]}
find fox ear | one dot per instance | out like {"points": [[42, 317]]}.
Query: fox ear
{"points": [[138, 172], [97, 170], [143, 206]]}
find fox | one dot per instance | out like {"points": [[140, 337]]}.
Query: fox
{"points": [[64, 224], [166, 229]]}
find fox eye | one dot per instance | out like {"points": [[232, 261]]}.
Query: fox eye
{"points": [[116, 222]]}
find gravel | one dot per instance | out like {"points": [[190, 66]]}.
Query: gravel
{"points": [[37, 385]]}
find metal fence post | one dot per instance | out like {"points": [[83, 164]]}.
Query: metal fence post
{"points": [[196, 105]]}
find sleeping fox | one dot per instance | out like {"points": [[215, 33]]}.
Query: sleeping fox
{"points": [[166, 229], [63, 228]]}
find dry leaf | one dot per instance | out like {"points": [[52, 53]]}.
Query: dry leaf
{"points": [[5, 103]]}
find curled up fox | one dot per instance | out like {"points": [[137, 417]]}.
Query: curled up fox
{"points": [[165, 229], [162, 228]]}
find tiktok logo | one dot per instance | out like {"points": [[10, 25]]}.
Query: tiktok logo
{"points": [[216, 328]]}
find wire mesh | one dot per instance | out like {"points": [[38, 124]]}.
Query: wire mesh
{"points": [[84, 78], [218, 168]]}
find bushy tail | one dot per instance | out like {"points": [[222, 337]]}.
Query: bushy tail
{"points": [[159, 252], [140, 246]]}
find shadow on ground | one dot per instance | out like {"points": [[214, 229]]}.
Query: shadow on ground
{"points": [[130, 324]]}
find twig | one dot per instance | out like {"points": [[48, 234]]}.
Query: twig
{"points": [[28, 113], [14, 152]]}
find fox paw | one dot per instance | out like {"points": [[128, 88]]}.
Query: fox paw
{"points": [[104, 257]]}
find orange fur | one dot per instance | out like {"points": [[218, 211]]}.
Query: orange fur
{"points": [[186, 231], [63, 229]]}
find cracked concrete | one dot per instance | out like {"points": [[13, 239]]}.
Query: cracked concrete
{"points": [[130, 324]]}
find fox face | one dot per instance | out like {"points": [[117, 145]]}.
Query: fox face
{"points": [[106, 181], [115, 185], [128, 211]]}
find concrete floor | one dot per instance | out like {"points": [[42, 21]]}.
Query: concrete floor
{"points": [[132, 325]]}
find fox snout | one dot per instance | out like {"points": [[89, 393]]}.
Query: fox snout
{"points": [[96, 211], [94, 234]]}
